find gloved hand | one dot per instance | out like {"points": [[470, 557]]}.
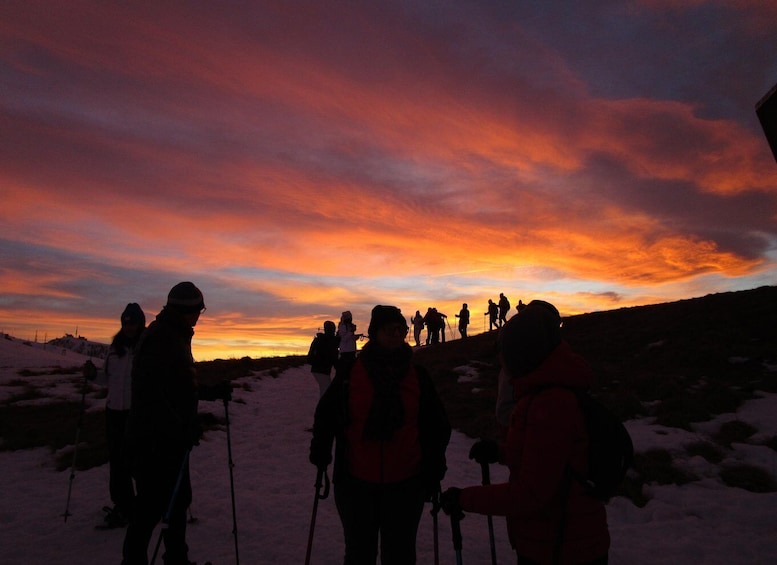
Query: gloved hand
{"points": [[485, 451], [89, 370], [224, 390], [431, 492], [320, 455], [449, 502]]}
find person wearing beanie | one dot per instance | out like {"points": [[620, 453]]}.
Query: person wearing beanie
{"points": [[346, 332], [550, 517], [163, 425], [532, 338], [116, 375], [391, 433], [322, 356]]}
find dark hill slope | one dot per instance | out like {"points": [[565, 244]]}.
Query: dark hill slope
{"points": [[681, 361]]}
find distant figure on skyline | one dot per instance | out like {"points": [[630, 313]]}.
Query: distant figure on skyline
{"points": [[504, 309], [493, 314], [418, 325], [434, 324], [443, 323], [463, 317], [520, 306]]}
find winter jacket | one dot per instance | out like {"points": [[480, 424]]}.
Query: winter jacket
{"points": [[546, 434], [347, 334], [164, 385], [322, 354], [117, 375], [416, 448]]}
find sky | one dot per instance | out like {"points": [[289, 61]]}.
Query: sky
{"points": [[702, 522], [298, 159]]}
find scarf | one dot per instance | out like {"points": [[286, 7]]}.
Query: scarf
{"points": [[386, 369]]}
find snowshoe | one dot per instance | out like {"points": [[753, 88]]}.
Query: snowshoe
{"points": [[114, 518]]}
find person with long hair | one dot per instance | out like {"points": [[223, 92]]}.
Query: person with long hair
{"points": [[117, 375]]}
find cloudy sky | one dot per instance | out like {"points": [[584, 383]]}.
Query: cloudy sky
{"points": [[295, 159]]}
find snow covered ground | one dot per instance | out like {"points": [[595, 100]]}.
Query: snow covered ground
{"points": [[704, 522]]}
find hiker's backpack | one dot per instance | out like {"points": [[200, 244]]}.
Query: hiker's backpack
{"points": [[610, 449]]}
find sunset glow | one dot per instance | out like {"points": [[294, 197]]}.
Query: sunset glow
{"points": [[298, 160]]}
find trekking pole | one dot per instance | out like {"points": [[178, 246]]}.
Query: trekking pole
{"points": [[434, 512], [456, 532], [231, 480], [75, 449], [486, 474], [173, 497], [322, 480]]}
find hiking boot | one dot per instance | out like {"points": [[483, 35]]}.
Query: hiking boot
{"points": [[115, 518]]}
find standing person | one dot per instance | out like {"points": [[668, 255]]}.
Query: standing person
{"points": [[550, 517], [418, 325], [434, 324], [116, 374], [493, 314], [504, 309], [322, 356], [163, 425], [520, 306], [463, 317], [443, 322], [346, 332], [392, 433]]}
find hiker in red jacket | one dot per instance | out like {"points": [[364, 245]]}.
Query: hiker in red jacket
{"points": [[550, 518], [391, 433]]}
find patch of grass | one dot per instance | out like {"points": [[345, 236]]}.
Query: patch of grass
{"points": [[771, 443], [230, 369], [709, 451], [52, 425], [50, 371], [749, 477], [29, 393], [656, 466], [734, 432]]}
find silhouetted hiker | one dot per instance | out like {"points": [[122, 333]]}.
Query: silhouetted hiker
{"points": [[463, 317], [504, 309], [117, 375], [443, 322], [163, 425], [322, 355], [520, 306], [428, 327], [551, 518], [392, 433], [493, 314], [434, 324], [418, 324]]}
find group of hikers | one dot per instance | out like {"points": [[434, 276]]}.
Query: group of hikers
{"points": [[382, 425]]}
